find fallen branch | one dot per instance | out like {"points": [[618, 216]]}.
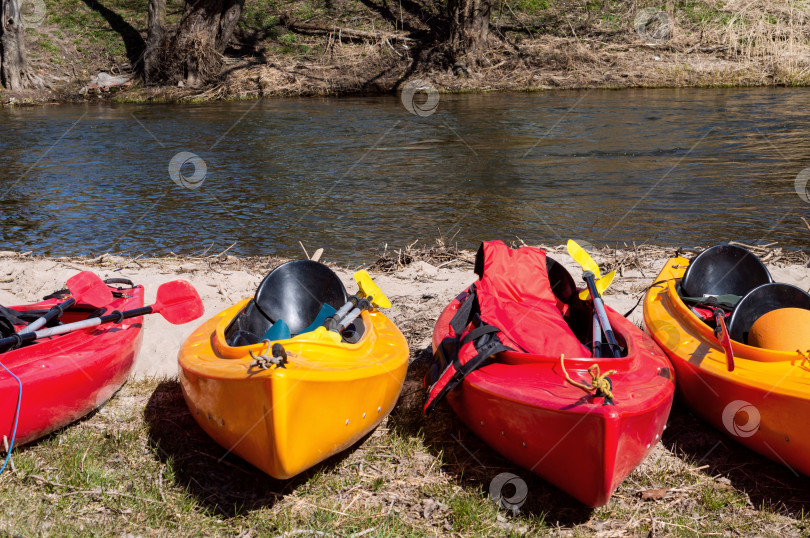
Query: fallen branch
{"points": [[345, 32]]}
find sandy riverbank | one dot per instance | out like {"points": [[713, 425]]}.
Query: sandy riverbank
{"points": [[419, 290]]}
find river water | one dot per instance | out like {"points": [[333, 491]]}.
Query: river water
{"points": [[673, 166]]}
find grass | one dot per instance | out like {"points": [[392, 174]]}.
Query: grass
{"points": [[142, 466]]}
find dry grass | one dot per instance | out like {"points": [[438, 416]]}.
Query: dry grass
{"points": [[371, 47], [775, 36], [713, 43], [444, 253]]}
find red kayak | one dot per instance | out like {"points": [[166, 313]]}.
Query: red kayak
{"points": [[67, 376], [518, 400]]}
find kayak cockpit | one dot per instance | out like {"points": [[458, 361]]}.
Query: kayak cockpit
{"points": [[293, 300], [16, 319], [729, 284], [578, 314]]}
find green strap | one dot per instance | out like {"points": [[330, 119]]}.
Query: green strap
{"points": [[726, 301]]}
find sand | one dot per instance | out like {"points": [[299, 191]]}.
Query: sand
{"points": [[418, 291]]}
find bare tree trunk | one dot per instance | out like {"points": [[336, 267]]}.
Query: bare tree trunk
{"points": [[204, 32], [227, 24], [154, 39], [13, 60], [469, 29]]}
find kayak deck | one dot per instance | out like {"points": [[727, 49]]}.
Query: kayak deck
{"points": [[285, 420], [67, 376], [764, 403], [523, 408]]}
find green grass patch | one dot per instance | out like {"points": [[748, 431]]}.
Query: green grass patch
{"points": [[142, 466], [530, 6], [703, 13]]}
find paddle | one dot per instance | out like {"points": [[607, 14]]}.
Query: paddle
{"points": [[84, 287], [590, 270], [599, 306], [177, 301], [601, 285], [721, 333], [587, 263], [368, 296], [597, 337]]}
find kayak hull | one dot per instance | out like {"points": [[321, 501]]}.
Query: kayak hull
{"points": [[68, 376], [285, 420], [522, 407], [764, 403]]}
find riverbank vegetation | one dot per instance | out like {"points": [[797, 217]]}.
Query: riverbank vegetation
{"points": [[327, 47]]}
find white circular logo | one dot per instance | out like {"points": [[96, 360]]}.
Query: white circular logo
{"points": [[516, 499], [419, 97], [802, 178], [32, 12], [653, 25], [193, 181], [740, 411]]}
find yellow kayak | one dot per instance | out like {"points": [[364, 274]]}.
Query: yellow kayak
{"points": [[760, 397], [285, 404]]}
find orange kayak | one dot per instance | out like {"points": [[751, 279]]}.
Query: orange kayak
{"points": [[763, 401], [285, 418]]}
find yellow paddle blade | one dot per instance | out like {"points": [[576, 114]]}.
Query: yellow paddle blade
{"points": [[369, 289], [582, 257], [601, 285]]}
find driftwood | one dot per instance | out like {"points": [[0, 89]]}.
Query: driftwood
{"points": [[316, 29]]}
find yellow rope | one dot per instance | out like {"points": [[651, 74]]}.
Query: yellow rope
{"points": [[599, 382]]}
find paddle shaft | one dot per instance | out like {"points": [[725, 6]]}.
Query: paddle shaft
{"points": [[362, 304], [53, 313], [347, 313], [599, 306], [597, 337], [345, 309], [116, 316], [332, 323]]}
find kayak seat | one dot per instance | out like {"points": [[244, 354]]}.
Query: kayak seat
{"points": [[247, 327], [281, 331], [290, 300], [760, 301], [562, 283], [296, 292], [724, 270], [575, 313]]}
